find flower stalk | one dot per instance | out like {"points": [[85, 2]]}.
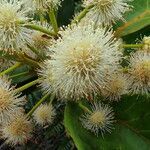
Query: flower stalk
{"points": [[21, 74], [132, 45], [26, 86], [84, 108], [15, 66], [53, 20], [39, 28], [38, 104], [82, 14], [31, 61]]}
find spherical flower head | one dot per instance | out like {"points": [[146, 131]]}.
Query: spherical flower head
{"points": [[99, 119], [10, 101], [18, 130], [80, 58], [44, 114], [107, 11], [115, 85], [42, 5], [140, 73], [13, 36]]}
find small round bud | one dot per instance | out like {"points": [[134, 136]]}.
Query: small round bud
{"points": [[140, 73], [115, 85], [100, 119], [44, 114]]}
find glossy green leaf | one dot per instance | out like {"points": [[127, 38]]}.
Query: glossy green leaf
{"points": [[135, 112], [137, 19]]}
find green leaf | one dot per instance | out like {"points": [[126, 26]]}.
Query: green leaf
{"points": [[126, 136], [134, 112], [137, 19]]}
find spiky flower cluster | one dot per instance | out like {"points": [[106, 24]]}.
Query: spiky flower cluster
{"points": [[139, 69], [80, 62], [17, 130], [81, 58], [10, 101], [44, 114], [99, 119], [15, 127], [107, 11], [11, 15], [140, 73], [116, 84]]}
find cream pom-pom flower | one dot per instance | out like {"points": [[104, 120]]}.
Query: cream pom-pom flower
{"points": [[116, 84], [99, 120], [10, 101], [140, 73], [107, 11], [13, 36], [18, 130], [81, 57], [44, 114]]}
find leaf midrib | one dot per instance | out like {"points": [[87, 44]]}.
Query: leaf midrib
{"points": [[144, 13], [136, 131]]}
